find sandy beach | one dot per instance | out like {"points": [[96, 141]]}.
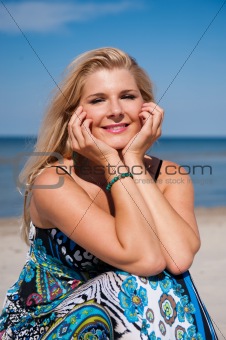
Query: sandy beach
{"points": [[208, 270]]}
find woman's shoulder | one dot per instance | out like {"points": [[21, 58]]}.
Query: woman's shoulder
{"points": [[54, 196], [176, 183], [53, 175], [170, 169], [166, 167], [168, 174]]}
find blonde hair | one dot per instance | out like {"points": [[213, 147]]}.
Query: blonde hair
{"points": [[53, 136]]}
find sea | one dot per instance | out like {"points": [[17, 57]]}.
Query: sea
{"points": [[203, 158]]}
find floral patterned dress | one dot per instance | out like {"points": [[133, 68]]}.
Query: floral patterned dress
{"points": [[64, 292]]}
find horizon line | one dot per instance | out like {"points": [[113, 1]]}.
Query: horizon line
{"points": [[164, 136]]}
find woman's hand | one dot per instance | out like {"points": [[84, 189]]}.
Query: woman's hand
{"points": [[83, 142], [151, 119]]}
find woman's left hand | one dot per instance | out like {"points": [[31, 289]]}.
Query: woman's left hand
{"points": [[151, 119]]}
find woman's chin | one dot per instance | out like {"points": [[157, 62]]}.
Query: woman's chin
{"points": [[117, 146], [116, 142]]}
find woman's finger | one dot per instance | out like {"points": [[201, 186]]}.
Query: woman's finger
{"points": [[146, 118], [156, 112], [75, 115], [86, 131], [74, 128], [157, 120], [152, 108]]}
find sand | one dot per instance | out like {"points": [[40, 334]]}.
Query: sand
{"points": [[208, 270]]}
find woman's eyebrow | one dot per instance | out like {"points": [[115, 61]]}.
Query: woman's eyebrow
{"points": [[129, 90], [99, 94]]}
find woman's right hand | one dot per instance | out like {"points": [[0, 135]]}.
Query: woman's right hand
{"points": [[83, 141]]}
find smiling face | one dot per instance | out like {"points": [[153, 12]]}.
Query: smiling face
{"points": [[113, 101]]}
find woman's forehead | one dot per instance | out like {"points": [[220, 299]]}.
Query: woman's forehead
{"points": [[115, 77]]}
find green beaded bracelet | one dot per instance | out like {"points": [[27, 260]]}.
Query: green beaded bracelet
{"points": [[116, 178]]}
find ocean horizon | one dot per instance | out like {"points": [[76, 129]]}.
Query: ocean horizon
{"points": [[204, 158]]}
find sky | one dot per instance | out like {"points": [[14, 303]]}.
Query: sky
{"points": [[180, 43]]}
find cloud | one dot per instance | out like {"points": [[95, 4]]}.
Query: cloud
{"points": [[44, 16]]}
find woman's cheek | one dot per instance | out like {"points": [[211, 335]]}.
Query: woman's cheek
{"points": [[92, 113]]}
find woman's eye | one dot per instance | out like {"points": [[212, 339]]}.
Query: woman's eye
{"points": [[128, 96], [96, 100]]}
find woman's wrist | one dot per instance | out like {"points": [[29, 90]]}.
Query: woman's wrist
{"points": [[131, 157], [133, 161], [138, 166], [117, 178], [114, 167], [109, 159]]}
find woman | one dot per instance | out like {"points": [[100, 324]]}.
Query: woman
{"points": [[112, 238]]}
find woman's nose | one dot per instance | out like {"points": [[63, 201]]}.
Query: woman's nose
{"points": [[115, 109]]}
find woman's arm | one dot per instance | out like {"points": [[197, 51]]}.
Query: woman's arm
{"points": [[125, 241], [172, 207], [173, 213]]}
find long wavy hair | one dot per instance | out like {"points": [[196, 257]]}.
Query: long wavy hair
{"points": [[53, 137]]}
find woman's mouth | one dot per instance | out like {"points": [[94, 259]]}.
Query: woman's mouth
{"points": [[116, 128]]}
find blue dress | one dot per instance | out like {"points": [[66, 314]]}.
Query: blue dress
{"points": [[65, 292]]}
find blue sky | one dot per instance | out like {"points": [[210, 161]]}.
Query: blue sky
{"points": [[178, 42]]}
